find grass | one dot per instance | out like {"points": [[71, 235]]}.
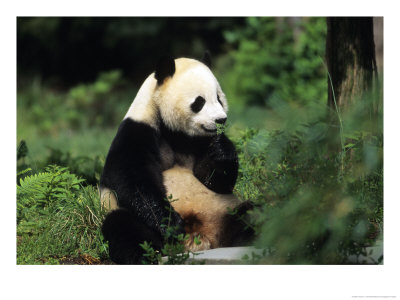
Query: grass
{"points": [[58, 217]]}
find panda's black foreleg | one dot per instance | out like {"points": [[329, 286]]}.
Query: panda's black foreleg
{"points": [[143, 217], [125, 233], [132, 170], [217, 169]]}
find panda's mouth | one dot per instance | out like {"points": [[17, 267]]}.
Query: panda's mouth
{"points": [[208, 130]]}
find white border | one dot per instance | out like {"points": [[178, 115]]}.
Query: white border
{"points": [[197, 282]]}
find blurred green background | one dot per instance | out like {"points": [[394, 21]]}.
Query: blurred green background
{"points": [[78, 76]]}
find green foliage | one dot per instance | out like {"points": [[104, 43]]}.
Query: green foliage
{"points": [[87, 167], [173, 247], [86, 105], [57, 217], [95, 99], [317, 204], [55, 125], [220, 128], [278, 58], [55, 183], [22, 150], [35, 193], [173, 251]]}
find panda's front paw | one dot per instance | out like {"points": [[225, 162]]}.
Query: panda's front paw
{"points": [[222, 150]]}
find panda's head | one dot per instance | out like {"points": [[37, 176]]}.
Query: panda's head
{"points": [[188, 97]]}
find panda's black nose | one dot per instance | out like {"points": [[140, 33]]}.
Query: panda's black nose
{"points": [[220, 121]]}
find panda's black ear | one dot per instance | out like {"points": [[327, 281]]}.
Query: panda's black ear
{"points": [[165, 68], [207, 59]]}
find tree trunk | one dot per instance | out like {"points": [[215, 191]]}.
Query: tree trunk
{"points": [[350, 55]]}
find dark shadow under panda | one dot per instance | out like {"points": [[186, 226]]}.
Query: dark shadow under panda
{"points": [[168, 144]]}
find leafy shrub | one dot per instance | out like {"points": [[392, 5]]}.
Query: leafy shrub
{"points": [[86, 167], [278, 58], [317, 204], [94, 99], [94, 104], [57, 217]]}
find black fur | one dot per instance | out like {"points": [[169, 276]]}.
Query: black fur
{"points": [[236, 231], [220, 121], [219, 100], [216, 162], [165, 68], [125, 232], [198, 104], [183, 143], [133, 171], [218, 167]]}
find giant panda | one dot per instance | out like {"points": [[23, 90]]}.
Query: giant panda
{"points": [[168, 144]]}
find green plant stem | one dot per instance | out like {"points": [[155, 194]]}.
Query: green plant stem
{"points": [[343, 152]]}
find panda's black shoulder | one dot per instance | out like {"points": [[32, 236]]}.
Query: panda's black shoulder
{"points": [[134, 147], [133, 134]]}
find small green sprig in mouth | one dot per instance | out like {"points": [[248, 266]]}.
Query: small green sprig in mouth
{"points": [[220, 128]]}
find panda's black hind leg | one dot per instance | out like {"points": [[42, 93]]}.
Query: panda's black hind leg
{"points": [[236, 231], [124, 233]]}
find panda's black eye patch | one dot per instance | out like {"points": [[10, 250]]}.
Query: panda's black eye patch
{"points": [[219, 100], [198, 104]]}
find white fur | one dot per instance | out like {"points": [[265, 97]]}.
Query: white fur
{"points": [[108, 199], [174, 97], [143, 107], [192, 198]]}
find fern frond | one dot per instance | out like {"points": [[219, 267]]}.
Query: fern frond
{"points": [[33, 184], [24, 171]]}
